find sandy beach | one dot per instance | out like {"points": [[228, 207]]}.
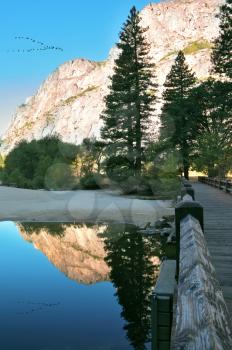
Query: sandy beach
{"points": [[83, 206]]}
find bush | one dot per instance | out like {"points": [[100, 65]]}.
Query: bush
{"points": [[59, 177], [136, 185], [90, 182], [118, 168], [45, 163], [167, 187]]}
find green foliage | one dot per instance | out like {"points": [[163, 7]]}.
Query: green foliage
{"points": [[71, 99], [164, 180], [160, 180], [88, 157], [50, 118], [91, 181], [1, 161], [59, 177], [101, 63], [191, 48], [22, 105], [196, 46], [129, 104], [118, 168], [222, 53], [53, 228], [138, 185], [213, 147], [171, 53], [45, 163], [178, 122]]}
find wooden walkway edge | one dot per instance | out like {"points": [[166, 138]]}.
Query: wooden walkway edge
{"points": [[218, 233]]}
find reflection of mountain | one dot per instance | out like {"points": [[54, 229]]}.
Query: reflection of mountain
{"points": [[133, 259], [76, 250], [117, 252]]}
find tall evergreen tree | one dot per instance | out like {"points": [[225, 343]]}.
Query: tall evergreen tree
{"points": [[177, 119], [130, 101], [222, 52], [212, 101]]}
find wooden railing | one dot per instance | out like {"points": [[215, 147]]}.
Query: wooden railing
{"points": [[202, 320], [222, 184]]}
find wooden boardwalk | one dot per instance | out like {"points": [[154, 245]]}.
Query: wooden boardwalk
{"points": [[218, 232]]}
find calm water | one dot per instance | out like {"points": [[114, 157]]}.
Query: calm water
{"points": [[84, 287]]}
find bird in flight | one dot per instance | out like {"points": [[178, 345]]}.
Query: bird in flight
{"points": [[41, 45]]}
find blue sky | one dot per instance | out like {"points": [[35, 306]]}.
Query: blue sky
{"points": [[83, 28]]}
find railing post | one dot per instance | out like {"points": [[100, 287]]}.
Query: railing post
{"points": [[188, 190], [226, 186], [220, 184], [183, 209]]}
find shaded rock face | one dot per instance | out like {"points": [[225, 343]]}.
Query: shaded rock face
{"points": [[71, 100], [79, 252]]}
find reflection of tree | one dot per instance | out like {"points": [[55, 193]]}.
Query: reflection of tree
{"points": [[129, 256], [53, 228]]}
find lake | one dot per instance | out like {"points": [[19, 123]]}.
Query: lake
{"points": [[76, 286]]}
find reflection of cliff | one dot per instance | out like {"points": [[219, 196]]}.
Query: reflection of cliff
{"points": [[76, 250]]}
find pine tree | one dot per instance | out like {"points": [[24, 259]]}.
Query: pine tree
{"points": [[130, 102], [222, 52], [177, 119], [213, 148]]}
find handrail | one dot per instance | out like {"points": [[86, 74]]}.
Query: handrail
{"points": [[222, 184], [202, 318]]}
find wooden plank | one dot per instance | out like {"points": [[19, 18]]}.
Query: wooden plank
{"points": [[202, 316], [218, 233]]}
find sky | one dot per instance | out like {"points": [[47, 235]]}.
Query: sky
{"points": [[82, 28]]}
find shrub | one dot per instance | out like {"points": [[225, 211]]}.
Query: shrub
{"points": [[40, 164], [59, 177], [90, 182], [136, 185], [118, 168]]}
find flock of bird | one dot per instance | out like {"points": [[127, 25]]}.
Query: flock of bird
{"points": [[42, 46]]}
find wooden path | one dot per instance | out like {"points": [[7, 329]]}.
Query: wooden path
{"points": [[218, 232]]}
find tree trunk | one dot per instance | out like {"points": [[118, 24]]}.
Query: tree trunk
{"points": [[138, 156], [138, 132], [186, 171], [185, 155]]}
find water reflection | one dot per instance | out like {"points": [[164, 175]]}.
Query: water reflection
{"points": [[93, 253], [76, 250], [131, 257]]}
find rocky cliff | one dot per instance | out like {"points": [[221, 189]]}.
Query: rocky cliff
{"points": [[70, 101]]}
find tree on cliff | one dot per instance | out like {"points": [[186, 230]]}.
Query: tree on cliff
{"points": [[222, 52], [177, 118], [130, 101]]}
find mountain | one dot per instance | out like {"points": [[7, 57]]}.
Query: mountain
{"points": [[71, 100]]}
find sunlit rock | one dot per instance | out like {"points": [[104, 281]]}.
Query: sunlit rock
{"points": [[71, 100]]}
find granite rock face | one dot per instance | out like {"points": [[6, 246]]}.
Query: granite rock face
{"points": [[71, 100]]}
